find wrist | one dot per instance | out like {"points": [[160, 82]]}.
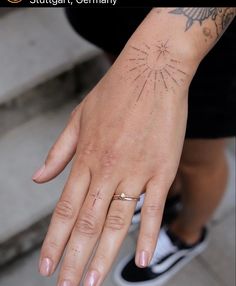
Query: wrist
{"points": [[157, 66]]}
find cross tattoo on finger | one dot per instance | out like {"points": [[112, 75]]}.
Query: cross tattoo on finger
{"points": [[96, 197]]}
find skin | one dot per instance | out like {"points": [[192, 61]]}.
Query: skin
{"points": [[201, 178], [125, 137]]}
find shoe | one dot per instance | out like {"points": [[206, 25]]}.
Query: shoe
{"points": [[169, 257], [172, 207]]}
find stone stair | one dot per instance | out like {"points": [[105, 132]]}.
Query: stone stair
{"points": [[43, 75], [42, 63]]}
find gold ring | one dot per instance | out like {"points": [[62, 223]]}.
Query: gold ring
{"points": [[123, 197]]}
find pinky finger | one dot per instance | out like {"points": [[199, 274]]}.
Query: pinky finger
{"points": [[151, 217]]}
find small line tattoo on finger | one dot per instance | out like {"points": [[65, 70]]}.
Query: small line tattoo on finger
{"points": [[96, 198]]}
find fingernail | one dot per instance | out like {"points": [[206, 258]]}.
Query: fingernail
{"points": [[46, 267], [65, 283], [143, 259], [38, 173], [91, 278]]}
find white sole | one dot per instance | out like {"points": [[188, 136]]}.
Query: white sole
{"points": [[119, 281]]}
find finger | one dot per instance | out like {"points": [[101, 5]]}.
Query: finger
{"points": [[151, 216], [63, 219], [62, 151], [115, 229], [87, 230]]}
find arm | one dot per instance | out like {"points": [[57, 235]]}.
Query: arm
{"points": [[126, 136]]}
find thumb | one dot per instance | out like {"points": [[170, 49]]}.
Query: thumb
{"points": [[62, 151]]}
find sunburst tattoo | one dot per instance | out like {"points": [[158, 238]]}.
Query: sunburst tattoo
{"points": [[155, 68]]}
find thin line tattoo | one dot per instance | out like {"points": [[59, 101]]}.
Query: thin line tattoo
{"points": [[136, 67], [138, 76], [142, 51], [221, 17], [155, 82], [142, 90], [147, 46], [96, 197], [158, 70], [171, 76]]}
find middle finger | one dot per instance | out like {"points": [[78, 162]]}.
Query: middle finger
{"points": [[115, 229]]}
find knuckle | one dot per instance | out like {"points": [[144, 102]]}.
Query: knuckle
{"points": [[70, 269], [52, 245], [49, 249], [109, 158], [89, 149], [108, 161], [149, 238], [64, 210], [152, 210], [87, 225], [100, 259], [115, 222]]}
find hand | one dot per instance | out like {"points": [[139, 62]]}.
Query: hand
{"points": [[125, 137]]}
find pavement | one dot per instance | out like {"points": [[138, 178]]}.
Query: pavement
{"points": [[37, 44], [214, 267]]}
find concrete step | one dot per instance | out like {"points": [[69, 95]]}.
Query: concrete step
{"points": [[42, 63]]}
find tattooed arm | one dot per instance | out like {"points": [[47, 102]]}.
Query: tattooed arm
{"points": [[165, 51], [213, 22], [177, 37], [126, 137]]}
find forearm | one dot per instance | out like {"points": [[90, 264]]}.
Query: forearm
{"points": [[170, 43], [197, 28]]}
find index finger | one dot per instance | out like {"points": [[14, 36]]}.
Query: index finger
{"points": [[63, 219]]}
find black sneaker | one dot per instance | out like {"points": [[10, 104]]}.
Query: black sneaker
{"points": [[172, 207], [169, 257]]}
